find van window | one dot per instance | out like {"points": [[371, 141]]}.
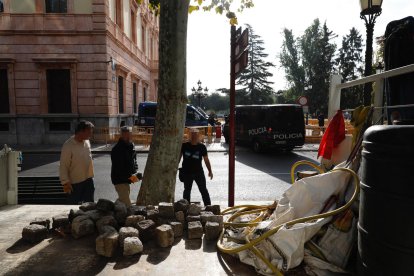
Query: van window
{"points": [[285, 118], [149, 111]]}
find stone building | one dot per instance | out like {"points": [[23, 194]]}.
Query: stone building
{"points": [[62, 61]]}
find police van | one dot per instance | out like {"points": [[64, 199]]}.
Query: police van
{"points": [[148, 110], [279, 126]]}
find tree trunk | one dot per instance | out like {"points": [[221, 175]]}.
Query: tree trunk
{"points": [[161, 169]]}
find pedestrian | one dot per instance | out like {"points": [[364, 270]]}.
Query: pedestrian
{"points": [[193, 153], [76, 166], [124, 170], [321, 122]]}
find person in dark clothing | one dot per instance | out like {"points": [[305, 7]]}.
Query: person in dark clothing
{"points": [[124, 169], [321, 122], [193, 153]]}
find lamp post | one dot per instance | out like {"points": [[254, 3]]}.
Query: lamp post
{"points": [[370, 10], [199, 93]]}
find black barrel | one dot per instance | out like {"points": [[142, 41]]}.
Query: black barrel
{"points": [[386, 214]]}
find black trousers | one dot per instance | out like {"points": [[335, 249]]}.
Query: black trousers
{"points": [[82, 192], [200, 180]]}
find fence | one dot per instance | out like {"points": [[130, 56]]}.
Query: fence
{"points": [[143, 135], [336, 88]]}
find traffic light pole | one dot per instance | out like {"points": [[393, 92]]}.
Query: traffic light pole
{"points": [[231, 117]]}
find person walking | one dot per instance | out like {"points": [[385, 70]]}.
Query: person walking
{"points": [[76, 166], [124, 170], [193, 153]]}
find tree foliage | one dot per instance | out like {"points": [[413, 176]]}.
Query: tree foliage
{"points": [[254, 83], [350, 65], [213, 102], [308, 63]]}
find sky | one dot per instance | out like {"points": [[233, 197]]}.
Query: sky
{"points": [[208, 37]]}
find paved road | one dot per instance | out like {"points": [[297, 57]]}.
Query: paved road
{"points": [[259, 177]]}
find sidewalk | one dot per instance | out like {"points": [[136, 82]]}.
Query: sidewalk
{"points": [[104, 149], [66, 256]]}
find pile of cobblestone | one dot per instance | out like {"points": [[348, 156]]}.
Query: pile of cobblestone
{"points": [[118, 226]]}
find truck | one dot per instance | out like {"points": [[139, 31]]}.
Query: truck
{"points": [[148, 110], [277, 126]]}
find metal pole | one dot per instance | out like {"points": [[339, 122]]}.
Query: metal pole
{"points": [[369, 23], [231, 117]]}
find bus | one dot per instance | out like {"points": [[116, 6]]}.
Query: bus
{"points": [[279, 126], [148, 110]]}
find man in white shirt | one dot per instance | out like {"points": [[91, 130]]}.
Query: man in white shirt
{"points": [[76, 166]]}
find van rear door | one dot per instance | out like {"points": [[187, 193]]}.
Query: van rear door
{"points": [[287, 125]]}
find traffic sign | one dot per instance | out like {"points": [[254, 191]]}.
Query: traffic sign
{"points": [[303, 100], [241, 62]]}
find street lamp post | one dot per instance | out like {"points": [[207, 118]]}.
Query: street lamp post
{"points": [[199, 93], [370, 10]]}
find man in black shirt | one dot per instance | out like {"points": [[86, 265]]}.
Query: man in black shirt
{"points": [[124, 169], [193, 152]]}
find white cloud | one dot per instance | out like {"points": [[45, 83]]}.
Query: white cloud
{"points": [[208, 51]]}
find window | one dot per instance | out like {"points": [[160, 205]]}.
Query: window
{"points": [[120, 94], [4, 92], [145, 94], [134, 96], [133, 27], [143, 39], [1, 6], [56, 6], [59, 96], [118, 13]]}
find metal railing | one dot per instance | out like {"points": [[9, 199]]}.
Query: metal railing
{"points": [[336, 87]]}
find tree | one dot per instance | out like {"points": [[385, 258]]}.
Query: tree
{"points": [[308, 63], [350, 65], [161, 169], [318, 63], [213, 102], [290, 60], [254, 79]]}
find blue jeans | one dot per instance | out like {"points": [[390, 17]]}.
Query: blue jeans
{"points": [[200, 180], [82, 192]]}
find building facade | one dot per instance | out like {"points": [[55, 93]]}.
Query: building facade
{"points": [[62, 61]]}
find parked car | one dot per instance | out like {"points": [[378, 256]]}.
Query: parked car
{"points": [[280, 126], [148, 110]]}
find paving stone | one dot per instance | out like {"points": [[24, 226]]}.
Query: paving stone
{"points": [[60, 221], [212, 230], [146, 229], [215, 209], [193, 218], [42, 221], [88, 206], [218, 219], [136, 210], [107, 228], [105, 205], [34, 233], [161, 220], [104, 221], [205, 216], [96, 215], [179, 216], [194, 210], [132, 246], [120, 211], [152, 214], [131, 221], [177, 228], [82, 226], [75, 213], [166, 210], [107, 244], [181, 205], [150, 207], [164, 235], [126, 232], [195, 230]]}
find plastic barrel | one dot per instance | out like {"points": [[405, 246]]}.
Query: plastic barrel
{"points": [[386, 214]]}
